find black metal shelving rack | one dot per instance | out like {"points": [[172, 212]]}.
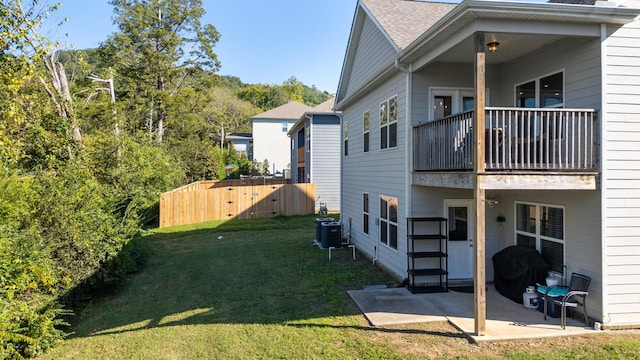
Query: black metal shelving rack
{"points": [[428, 245]]}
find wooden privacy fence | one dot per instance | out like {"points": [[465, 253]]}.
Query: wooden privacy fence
{"points": [[212, 200]]}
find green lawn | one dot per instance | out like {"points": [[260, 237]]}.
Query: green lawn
{"points": [[264, 292]]}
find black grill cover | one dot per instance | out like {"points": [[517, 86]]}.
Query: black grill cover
{"points": [[515, 268]]}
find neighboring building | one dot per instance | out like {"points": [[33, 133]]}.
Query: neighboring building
{"points": [[241, 143], [270, 140], [315, 153], [559, 154]]}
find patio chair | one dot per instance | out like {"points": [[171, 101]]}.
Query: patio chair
{"points": [[570, 296]]}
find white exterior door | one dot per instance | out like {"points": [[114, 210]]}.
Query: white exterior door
{"points": [[460, 215]]}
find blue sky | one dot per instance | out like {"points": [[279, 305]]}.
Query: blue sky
{"points": [[261, 41]]}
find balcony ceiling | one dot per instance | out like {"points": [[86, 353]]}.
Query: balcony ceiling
{"points": [[511, 47]]}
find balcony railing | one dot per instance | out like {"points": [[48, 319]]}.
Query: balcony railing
{"points": [[515, 139]]}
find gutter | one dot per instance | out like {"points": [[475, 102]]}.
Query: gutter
{"points": [[476, 9], [408, 153]]}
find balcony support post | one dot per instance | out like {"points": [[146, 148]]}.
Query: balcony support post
{"points": [[480, 296]]}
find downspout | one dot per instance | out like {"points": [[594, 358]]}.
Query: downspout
{"points": [[375, 246], [308, 150], [341, 164], [408, 137], [603, 178]]}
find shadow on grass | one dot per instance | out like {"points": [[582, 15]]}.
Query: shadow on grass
{"points": [[263, 272], [458, 335]]}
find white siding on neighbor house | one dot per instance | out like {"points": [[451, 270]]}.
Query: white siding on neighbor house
{"points": [[271, 143], [621, 175], [578, 57], [373, 51], [379, 172], [325, 160]]}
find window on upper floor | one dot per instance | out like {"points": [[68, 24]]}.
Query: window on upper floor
{"points": [[300, 140], [389, 123], [345, 134], [307, 140], [285, 126], [541, 227], [366, 126], [545, 91]]}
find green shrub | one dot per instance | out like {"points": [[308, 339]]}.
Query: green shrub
{"points": [[27, 330]]}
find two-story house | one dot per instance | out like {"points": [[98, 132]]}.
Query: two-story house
{"points": [[554, 89], [270, 140], [315, 153]]}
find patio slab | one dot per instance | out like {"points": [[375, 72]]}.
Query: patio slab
{"points": [[394, 306], [506, 320]]}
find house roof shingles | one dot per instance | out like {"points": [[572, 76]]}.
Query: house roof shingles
{"points": [[405, 20], [325, 107], [291, 110]]}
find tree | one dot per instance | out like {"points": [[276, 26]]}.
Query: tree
{"points": [[225, 111], [294, 88], [159, 45], [24, 58], [264, 97], [312, 96]]}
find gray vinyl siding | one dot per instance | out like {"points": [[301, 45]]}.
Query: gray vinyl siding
{"points": [[324, 164], [441, 75], [582, 248], [582, 218], [580, 60], [373, 51], [378, 172], [621, 176]]}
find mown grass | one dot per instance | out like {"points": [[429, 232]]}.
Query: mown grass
{"points": [[264, 292]]}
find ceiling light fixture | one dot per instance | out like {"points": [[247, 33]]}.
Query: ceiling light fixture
{"points": [[493, 46]]}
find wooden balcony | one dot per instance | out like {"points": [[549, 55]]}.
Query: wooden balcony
{"points": [[518, 141]]}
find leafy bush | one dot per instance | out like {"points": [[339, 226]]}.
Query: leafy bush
{"points": [[63, 236], [28, 312], [28, 331]]}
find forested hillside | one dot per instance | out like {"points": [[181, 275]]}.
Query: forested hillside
{"points": [[88, 141]]}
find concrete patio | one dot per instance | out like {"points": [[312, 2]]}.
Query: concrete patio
{"points": [[506, 319]]}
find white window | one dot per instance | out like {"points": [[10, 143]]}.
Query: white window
{"points": [[541, 227], [545, 91], [284, 126], [448, 101], [345, 134], [389, 221], [307, 139], [389, 123], [366, 126], [365, 213]]}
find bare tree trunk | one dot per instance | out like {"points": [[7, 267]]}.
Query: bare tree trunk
{"points": [[61, 97], [161, 113], [161, 80]]}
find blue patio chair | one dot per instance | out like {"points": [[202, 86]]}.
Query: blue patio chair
{"points": [[571, 296]]}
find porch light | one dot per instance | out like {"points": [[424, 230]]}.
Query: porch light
{"points": [[493, 46]]}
